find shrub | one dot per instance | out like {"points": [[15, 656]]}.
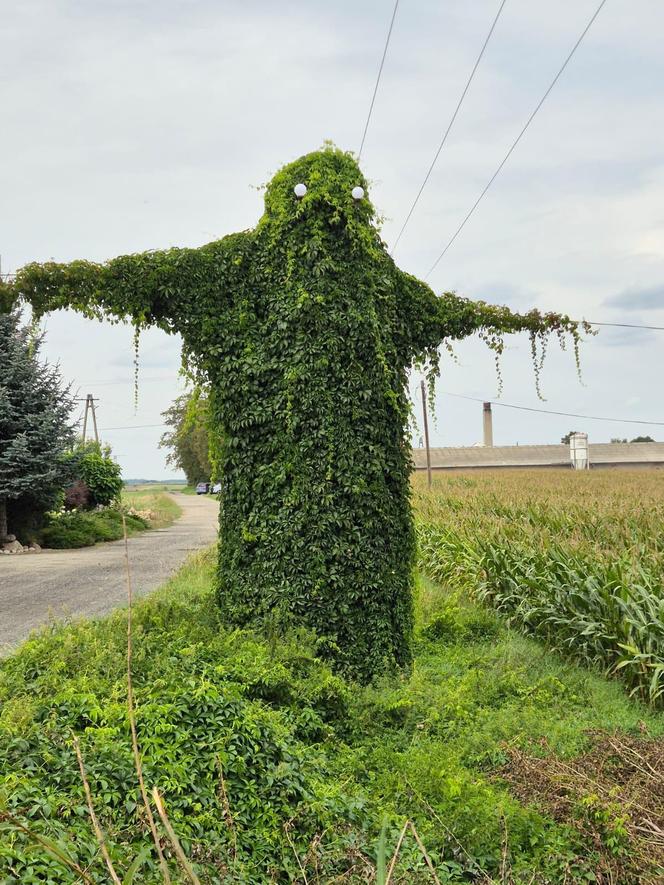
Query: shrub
{"points": [[77, 496], [28, 514], [68, 532], [90, 468], [103, 477], [84, 529]]}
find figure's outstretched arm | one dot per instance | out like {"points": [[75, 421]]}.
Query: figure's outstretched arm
{"points": [[428, 320], [149, 288]]}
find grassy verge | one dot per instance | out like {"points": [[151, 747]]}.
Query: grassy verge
{"points": [[273, 769], [162, 508]]}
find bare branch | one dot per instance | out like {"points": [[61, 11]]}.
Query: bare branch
{"points": [[175, 842], [395, 856], [228, 817], [290, 842], [132, 722], [93, 817], [50, 847], [426, 857]]}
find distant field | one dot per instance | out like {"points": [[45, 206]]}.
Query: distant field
{"points": [[160, 487], [153, 498], [576, 559], [155, 486]]}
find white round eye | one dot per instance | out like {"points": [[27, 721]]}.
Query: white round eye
{"points": [[357, 192], [300, 190]]}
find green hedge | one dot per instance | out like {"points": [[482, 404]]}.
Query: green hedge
{"points": [[76, 529]]}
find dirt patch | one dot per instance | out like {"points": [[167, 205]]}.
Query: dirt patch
{"points": [[612, 795]]}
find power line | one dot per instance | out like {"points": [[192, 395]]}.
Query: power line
{"points": [[552, 412], [380, 71], [131, 427], [629, 326], [472, 399], [127, 382], [518, 139], [449, 126]]}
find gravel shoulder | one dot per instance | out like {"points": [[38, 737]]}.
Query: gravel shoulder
{"points": [[63, 584]]}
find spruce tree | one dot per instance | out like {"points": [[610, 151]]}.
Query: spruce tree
{"points": [[35, 427]]}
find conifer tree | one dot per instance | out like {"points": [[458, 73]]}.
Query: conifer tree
{"points": [[35, 426]]}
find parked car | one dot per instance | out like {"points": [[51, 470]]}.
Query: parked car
{"points": [[216, 489], [202, 488]]}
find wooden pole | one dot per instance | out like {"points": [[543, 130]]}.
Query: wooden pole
{"points": [[426, 430], [94, 418], [85, 417]]}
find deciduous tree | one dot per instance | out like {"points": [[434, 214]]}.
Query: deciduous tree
{"points": [[188, 439]]}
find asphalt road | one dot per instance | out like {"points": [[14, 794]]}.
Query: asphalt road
{"points": [[39, 588]]}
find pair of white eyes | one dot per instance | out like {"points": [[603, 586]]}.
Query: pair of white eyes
{"points": [[300, 190]]}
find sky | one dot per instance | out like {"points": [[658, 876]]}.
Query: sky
{"points": [[140, 125]]}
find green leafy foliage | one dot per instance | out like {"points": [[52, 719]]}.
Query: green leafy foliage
{"points": [[189, 439], [269, 763], [80, 529], [304, 329], [92, 465], [103, 477]]}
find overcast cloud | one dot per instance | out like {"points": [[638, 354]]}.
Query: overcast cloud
{"points": [[129, 126], [646, 298]]}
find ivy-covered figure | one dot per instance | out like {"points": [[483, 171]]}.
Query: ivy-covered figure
{"points": [[304, 329]]}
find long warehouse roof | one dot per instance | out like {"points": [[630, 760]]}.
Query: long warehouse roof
{"points": [[455, 458]]}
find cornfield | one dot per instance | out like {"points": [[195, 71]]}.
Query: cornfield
{"points": [[576, 559]]}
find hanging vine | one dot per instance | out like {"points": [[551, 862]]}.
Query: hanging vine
{"points": [[304, 331], [136, 348]]}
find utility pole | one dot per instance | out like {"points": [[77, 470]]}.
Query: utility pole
{"points": [[5, 276], [90, 408], [426, 430]]}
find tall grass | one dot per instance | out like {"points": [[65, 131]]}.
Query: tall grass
{"points": [[575, 559], [163, 508]]}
